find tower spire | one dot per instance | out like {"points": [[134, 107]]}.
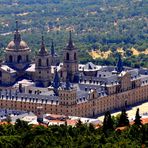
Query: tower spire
{"points": [[56, 82], [52, 49], [42, 43], [70, 43], [67, 82], [42, 50]]}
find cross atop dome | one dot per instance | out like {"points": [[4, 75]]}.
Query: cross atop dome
{"points": [[17, 36]]}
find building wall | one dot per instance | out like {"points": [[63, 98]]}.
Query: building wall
{"points": [[43, 70], [7, 78], [86, 108], [22, 63]]}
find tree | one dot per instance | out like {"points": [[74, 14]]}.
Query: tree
{"points": [[21, 125], [108, 122], [123, 121], [79, 123], [8, 119], [137, 118]]}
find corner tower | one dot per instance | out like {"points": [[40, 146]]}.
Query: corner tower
{"points": [[42, 67], [68, 95], [70, 61]]}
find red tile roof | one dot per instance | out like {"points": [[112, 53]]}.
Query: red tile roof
{"points": [[3, 123]]}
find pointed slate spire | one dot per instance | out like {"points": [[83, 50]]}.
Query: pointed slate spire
{"points": [[119, 67], [42, 50], [42, 43], [17, 36], [56, 81], [67, 87], [52, 49], [70, 43]]}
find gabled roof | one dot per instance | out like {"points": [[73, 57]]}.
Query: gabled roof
{"points": [[90, 67]]}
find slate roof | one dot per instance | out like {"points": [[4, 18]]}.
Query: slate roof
{"points": [[90, 67], [31, 68], [8, 69]]}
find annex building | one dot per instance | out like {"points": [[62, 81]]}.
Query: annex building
{"points": [[66, 87]]}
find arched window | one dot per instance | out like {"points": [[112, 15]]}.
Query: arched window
{"points": [[27, 58], [61, 74], [93, 113], [67, 56], [39, 62], [19, 58], [10, 59], [0, 74], [47, 62], [125, 103], [75, 56], [93, 96]]}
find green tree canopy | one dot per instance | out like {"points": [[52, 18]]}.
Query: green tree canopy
{"points": [[123, 121]]}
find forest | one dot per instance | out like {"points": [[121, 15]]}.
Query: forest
{"points": [[97, 25], [116, 132]]}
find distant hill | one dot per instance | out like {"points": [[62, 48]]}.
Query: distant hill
{"points": [[102, 24]]}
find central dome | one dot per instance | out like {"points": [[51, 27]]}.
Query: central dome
{"points": [[22, 45], [17, 44]]}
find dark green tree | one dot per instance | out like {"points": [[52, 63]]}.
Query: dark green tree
{"points": [[137, 118], [123, 121], [116, 120], [21, 125], [8, 119], [108, 122], [79, 123]]}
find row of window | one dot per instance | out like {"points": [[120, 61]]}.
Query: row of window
{"points": [[68, 56], [40, 62], [19, 58], [27, 99]]}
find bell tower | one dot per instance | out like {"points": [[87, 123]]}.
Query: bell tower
{"points": [[70, 61], [42, 67]]}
